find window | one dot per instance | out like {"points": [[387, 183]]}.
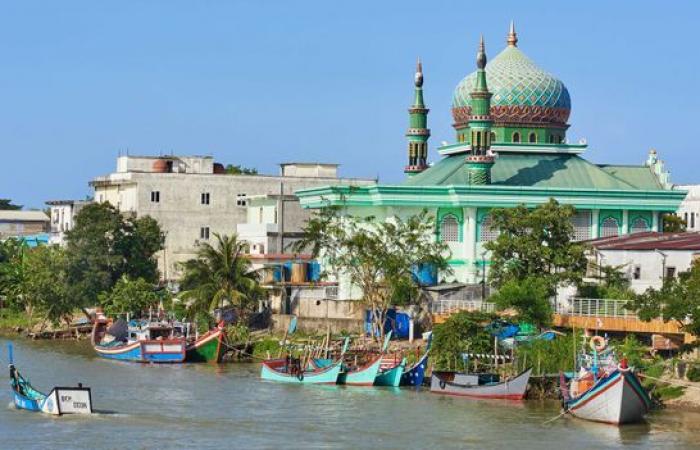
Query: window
{"points": [[582, 225], [685, 218], [275, 216], [551, 139], [516, 137], [670, 272], [449, 229], [204, 233], [486, 230], [155, 196], [493, 137], [560, 139], [609, 228], [260, 215], [532, 138], [205, 198], [637, 272], [241, 200], [692, 220], [639, 225]]}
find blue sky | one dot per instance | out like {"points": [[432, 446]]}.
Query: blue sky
{"points": [[261, 82]]}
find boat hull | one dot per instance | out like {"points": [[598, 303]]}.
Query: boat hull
{"points": [[618, 398], [415, 375], [160, 352], [208, 348], [273, 370], [391, 376], [362, 377], [513, 389]]}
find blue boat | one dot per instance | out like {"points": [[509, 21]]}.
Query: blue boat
{"points": [[61, 400], [390, 371], [415, 374], [153, 343]]}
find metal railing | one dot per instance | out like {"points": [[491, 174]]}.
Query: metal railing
{"points": [[315, 293], [595, 307], [454, 306]]}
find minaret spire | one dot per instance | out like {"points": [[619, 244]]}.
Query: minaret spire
{"points": [[418, 132], [512, 36]]}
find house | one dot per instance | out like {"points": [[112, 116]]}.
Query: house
{"points": [[63, 214], [17, 223]]}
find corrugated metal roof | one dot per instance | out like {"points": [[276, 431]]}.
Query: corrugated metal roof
{"points": [[638, 176], [535, 170], [651, 240], [23, 216]]}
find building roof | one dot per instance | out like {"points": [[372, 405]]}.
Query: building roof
{"points": [[23, 216], [567, 171], [651, 240], [640, 177]]}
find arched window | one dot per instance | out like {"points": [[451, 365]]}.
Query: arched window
{"points": [[639, 225], [449, 229], [551, 139], [582, 225], [532, 138], [609, 227], [560, 139], [516, 137], [493, 137], [486, 230]]}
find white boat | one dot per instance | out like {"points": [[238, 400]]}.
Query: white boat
{"points": [[480, 385]]}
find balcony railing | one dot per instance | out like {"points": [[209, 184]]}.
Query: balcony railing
{"points": [[454, 306], [594, 307]]}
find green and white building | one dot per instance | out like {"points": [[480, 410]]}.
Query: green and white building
{"points": [[511, 148]]}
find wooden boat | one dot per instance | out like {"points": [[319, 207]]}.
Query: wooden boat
{"points": [[480, 385], [390, 371], [209, 347], [605, 391], [365, 375], [414, 375], [153, 343], [288, 370], [61, 400]]}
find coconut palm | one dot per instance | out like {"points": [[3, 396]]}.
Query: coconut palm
{"points": [[220, 274]]}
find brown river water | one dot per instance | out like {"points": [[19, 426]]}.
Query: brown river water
{"points": [[207, 407]]}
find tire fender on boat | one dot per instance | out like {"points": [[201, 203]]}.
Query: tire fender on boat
{"points": [[442, 384], [598, 343]]}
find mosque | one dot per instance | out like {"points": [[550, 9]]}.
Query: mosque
{"points": [[510, 119]]}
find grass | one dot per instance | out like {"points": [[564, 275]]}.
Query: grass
{"points": [[10, 319]]}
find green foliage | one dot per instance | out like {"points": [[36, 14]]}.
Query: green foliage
{"points": [[463, 332], [693, 373], [673, 223], [612, 283], [377, 256], [659, 390], [265, 346], [240, 170], [203, 321], [529, 297], [536, 243], [220, 275], [633, 350], [237, 334], [676, 300], [6, 204], [45, 287], [128, 296], [104, 245], [548, 357]]}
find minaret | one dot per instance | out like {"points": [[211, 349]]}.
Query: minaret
{"points": [[480, 160], [512, 36], [418, 132]]}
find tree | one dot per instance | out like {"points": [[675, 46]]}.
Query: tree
{"points": [[677, 300], [129, 297], [464, 332], [12, 270], [529, 297], [45, 290], [536, 243], [611, 283], [376, 256], [240, 170], [673, 223], [221, 274], [6, 204], [104, 245]]}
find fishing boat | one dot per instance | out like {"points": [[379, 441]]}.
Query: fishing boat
{"points": [[485, 385], [354, 374], [61, 400], [391, 370], [414, 375], [209, 347], [151, 342], [604, 390], [289, 370]]}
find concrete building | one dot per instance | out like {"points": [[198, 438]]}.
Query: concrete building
{"points": [[649, 258], [273, 223], [192, 197], [63, 218], [22, 223], [690, 206]]}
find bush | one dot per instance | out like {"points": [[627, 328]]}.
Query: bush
{"points": [[693, 373], [463, 332]]}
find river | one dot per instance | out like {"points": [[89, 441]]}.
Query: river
{"points": [[207, 407]]}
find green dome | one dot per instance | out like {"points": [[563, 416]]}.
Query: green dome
{"points": [[523, 94]]}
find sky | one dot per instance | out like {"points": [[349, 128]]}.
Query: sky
{"points": [[262, 82]]}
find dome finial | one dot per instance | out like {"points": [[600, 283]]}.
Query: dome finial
{"points": [[481, 55], [419, 74], [512, 36]]}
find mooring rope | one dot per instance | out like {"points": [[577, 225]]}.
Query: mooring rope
{"points": [[677, 383], [555, 418]]}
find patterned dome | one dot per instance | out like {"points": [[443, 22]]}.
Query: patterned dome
{"points": [[522, 92]]}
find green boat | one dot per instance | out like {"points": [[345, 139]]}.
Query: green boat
{"points": [[208, 348], [390, 371]]}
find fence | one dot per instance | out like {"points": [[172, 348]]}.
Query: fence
{"points": [[594, 307], [453, 306], [315, 293]]}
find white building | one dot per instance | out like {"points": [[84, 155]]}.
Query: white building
{"points": [[192, 197], [649, 258], [63, 218], [690, 207]]}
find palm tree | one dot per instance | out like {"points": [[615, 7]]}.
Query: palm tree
{"points": [[220, 274]]}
